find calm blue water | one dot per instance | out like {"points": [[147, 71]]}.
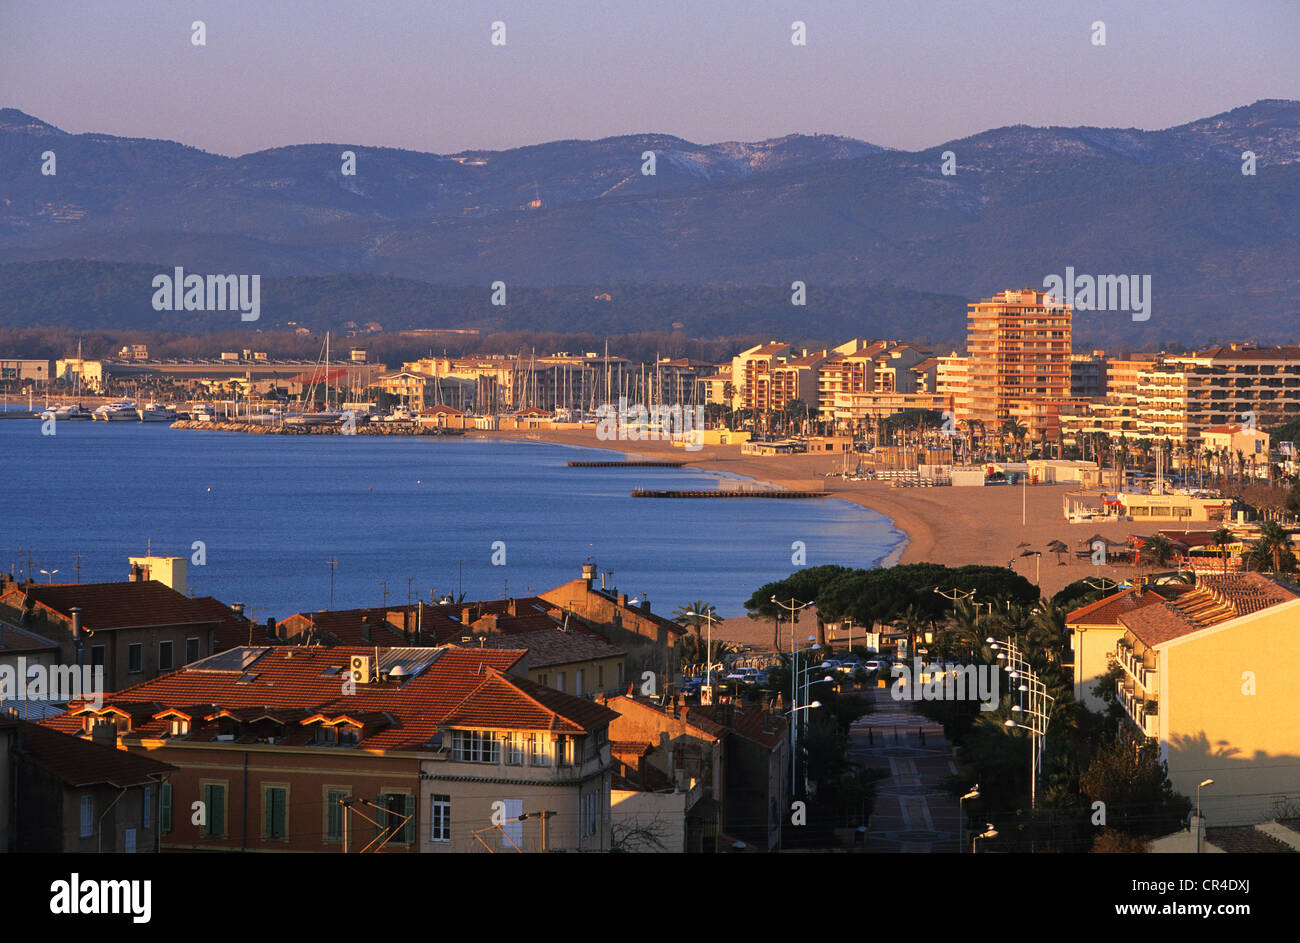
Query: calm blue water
{"points": [[272, 510]]}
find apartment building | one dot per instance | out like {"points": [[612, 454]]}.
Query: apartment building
{"points": [[1019, 351], [1214, 676], [1095, 630], [953, 382], [399, 750], [134, 630], [61, 794], [1180, 396], [751, 370]]}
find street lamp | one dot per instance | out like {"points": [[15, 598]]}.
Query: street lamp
{"points": [[1200, 830], [50, 574], [989, 832], [961, 820], [708, 648]]}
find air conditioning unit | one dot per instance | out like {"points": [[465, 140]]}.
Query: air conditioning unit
{"points": [[360, 668]]}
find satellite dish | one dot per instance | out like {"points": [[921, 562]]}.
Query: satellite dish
{"points": [[397, 671]]}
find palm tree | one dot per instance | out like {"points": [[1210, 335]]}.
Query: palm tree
{"points": [[1273, 542], [1156, 551], [695, 614]]}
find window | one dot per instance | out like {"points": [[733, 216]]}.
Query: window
{"points": [[590, 804], [544, 680], [349, 735], [396, 805], [134, 657], [560, 680], [165, 807], [515, 749], [87, 816], [214, 806], [97, 656], [578, 686], [334, 813], [179, 726], [600, 676], [537, 753], [564, 751], [440, 818], [326, 734], [165, 662], [191, 650], [128, 841], [275, 811], [476, 746], [145, 804]]}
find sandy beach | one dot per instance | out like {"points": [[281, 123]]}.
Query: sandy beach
{"points": [[953, 526]]}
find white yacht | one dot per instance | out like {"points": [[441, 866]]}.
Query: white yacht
{"points": [[153, 412], [122, 410]]}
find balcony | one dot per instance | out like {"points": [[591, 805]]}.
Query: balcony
{"points": [[1143, 711]]}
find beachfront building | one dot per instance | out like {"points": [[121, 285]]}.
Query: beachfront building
{"points": [[1213, 676], [1019, 351], [953, 381], [1180, 396], [1095, 631]]}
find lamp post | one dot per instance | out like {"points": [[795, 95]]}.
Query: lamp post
{"points": [[989, 832], [1037, 717], [708, 648], [1200, 829], [793, 609], [961, 814], [50, 574]]}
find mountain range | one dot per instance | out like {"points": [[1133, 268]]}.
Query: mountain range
{"points": [[880, 236]]}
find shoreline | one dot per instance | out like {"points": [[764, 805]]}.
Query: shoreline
{"points": [[954, 526]]}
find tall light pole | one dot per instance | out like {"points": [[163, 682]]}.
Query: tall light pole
{"points": [[50, 574], [1200, 828], [961, 815], [1038, 715], [708, 648], [793, 609]]}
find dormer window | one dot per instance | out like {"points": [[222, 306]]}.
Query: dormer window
{"points": [[349, 735], [123, 723], [179, 727]]}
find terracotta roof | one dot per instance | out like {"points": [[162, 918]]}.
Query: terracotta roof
{"points": [[16, 641], [1108, 610], [555, 647], [746, 721], [119, 605], [1216, 599], [79, 762], [461, 686]]}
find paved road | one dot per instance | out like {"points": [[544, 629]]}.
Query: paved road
{"points": [[912, 814]]}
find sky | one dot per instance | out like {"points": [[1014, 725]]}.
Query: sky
{"points": [[424, 75]]}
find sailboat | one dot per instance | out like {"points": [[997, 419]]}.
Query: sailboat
{"points": [[323, 417]]}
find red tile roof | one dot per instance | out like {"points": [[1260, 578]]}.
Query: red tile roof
{"points": [[16, 641], [1216, 599], [1107, 611], [555, 647], [460, 686], [79, 762], [121, 605]]}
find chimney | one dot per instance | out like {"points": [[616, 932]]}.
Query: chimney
{"points": [[588, 573], [645, 604], [104, 732], [365, 630], [137, 573], [622, 600], [468, 615], [512, 607], [76, 635], [238, 609], [270, 627]]}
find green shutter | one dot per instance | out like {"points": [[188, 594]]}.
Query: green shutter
{"points": [[215, 797], [165, 806], [334, 827]]}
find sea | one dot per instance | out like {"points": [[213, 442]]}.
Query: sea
{"points": [[259, 519]]}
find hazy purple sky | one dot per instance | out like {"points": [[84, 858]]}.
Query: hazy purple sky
{"points": [[423, 74]]}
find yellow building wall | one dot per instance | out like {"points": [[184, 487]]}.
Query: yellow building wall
{"points": [[1093, 647], [1230, 711]]}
